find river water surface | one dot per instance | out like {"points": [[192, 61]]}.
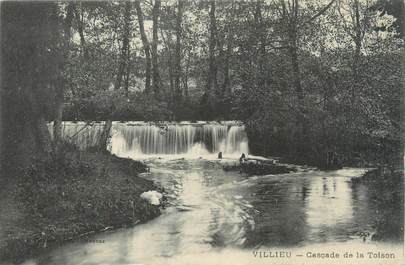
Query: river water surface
{"points": [[218, 217], [211, 211]]}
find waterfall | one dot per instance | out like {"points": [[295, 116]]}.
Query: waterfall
{"points": [[142, 138]]}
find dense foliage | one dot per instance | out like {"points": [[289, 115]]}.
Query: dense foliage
{"points": [[316, 81]]}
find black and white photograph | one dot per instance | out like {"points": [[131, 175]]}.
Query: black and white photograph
{"points": [[202, 132]]}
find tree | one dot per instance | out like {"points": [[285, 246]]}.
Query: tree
{"points": [[30, 69], [212, 66], [61, 85], [226, 88], [155, 40], [261, 43], [285, 67], [290, 17], [395, 8], [80, 26], [146, 46], [125, 50], [178, 48]]}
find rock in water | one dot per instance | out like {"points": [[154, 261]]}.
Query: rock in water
{"points": [[152, 196]]}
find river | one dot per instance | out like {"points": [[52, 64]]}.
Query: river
{"points": [[218, 217]]}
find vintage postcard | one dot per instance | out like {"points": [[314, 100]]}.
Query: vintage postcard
{"points": [[202, 132]]}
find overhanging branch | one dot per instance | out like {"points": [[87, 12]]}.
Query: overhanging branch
{"points": [[322, 11]]}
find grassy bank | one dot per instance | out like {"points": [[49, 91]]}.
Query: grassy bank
{"points": [[71, 195]]}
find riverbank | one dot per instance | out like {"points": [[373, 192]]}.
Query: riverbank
{"points": [[68, 197]]}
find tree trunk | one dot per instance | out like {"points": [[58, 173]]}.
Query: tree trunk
{"points": [[178, 48], [37, 122], [155, 67], [293, 50], [105, 136], [170, 70], [226, 89], [128, 73], [171, 79], [125, 46], [59, 96], [168, 50], [57, 122], [301, 133], [146, 46], [261, 42], [220, 57], [352, 119], [296, 72], [357, 52], [291, 20], [185, 76], [212, 70], [80, 29]]}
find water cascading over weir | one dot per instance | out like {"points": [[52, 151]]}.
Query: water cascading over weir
{"points": [[136, 139]]}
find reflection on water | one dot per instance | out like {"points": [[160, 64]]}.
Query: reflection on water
{"points": [[211, 210]]}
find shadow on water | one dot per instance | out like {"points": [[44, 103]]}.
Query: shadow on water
{"points": [[382, 201]]}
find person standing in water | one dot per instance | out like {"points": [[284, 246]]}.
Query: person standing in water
{"points": [[242, 158]]}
